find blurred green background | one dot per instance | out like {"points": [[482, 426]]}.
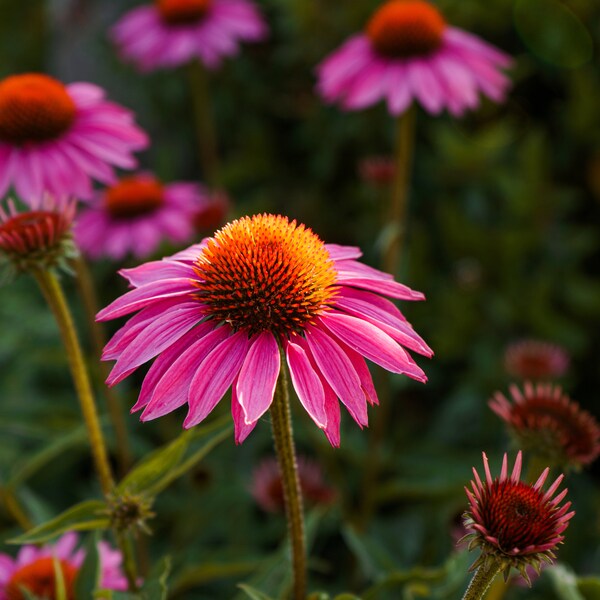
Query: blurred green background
{"points": [[503, 238]]}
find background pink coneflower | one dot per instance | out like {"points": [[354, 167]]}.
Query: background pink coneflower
{"points": [[514, 523], [169, 33], [33, 569], [535, 359], [267, 486], [56, 138], [548, 423], [408, 52], [217, 314], [136, 214]]}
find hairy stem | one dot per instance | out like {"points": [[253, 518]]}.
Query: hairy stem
{"points": [[481, 581], [286, 455]]}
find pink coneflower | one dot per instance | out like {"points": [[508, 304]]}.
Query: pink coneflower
{"points": [[549, 423], [33, 569], [267, 486], [56, 138], [217, 314], [37, 238], [377, 170], [407, 52], [169, 33], [136, 214], [534, 359], [514, 523]]}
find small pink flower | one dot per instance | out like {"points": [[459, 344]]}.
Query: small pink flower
{"points": [[515, 524], [33, 569], [224, 313], [534, 359], [267, 486], [169, 33], [56, 138], [136, 214], [409, 52]]}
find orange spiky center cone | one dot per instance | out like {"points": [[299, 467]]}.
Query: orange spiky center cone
{"points": [[182, 12], [265, 273], [134, 196], [39, 579], [34, 108], [405, 28]]}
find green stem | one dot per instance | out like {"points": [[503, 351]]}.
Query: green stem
{"points": [[286, 455], [113, 402], [396, 219], [55, 297], [129, 564], [15, 509], [481, 581], [205, 129]]}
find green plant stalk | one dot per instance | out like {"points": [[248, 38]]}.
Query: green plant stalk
{"points": [[481, 581], [397, 210], [129, 564], [55, 297], [205, 129], [113, 402], [14, 509], [281, 421]]}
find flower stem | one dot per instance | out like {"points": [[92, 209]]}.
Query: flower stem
{"points": [[481, 581], [15, 509], [286, 455], [396, 218], [55, 297], [129, 564], [113, 402], [207, 138]]}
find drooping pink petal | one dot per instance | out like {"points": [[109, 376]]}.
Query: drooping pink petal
{"points": [[258, 377], [241, 429]]}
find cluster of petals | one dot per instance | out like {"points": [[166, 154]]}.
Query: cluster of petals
{"points": [[199, 358], [144, 38], [515, 523], [96, 135], [137, 225], [535, 359], [546, 421], [449, 76], [33, 568], [267, 485]]}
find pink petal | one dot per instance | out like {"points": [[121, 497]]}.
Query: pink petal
{"points": [[215, 375], [258, 377], [306, 383], [241, 429], [155, 270]]}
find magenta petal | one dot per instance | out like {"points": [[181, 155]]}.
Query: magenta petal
{"points": [[241, 429], [155, 338], [332, 410], [156, 270], [258, 376], [359, 364], [140, 297], [387, 288], [306, 383], [372, 343], [172, 390], [337, 252], [337, 369], [214, 376]]}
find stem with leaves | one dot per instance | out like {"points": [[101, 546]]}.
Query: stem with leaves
{"points": [[286, 455]]}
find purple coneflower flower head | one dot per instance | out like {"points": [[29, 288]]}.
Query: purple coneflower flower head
{"points": [[267, 486], [133, 216], [33, 569], [56, 138], [224, 313], [534, 359], [514, 523], [170, 33], [37, 238], [545, 421], [408, 52]]}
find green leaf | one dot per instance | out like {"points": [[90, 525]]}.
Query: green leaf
{"points": [[155, 588], [564, 582], [589, 587], [163, 466], [210, 571], [86, 516], [253, 593], [88, 576]]}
